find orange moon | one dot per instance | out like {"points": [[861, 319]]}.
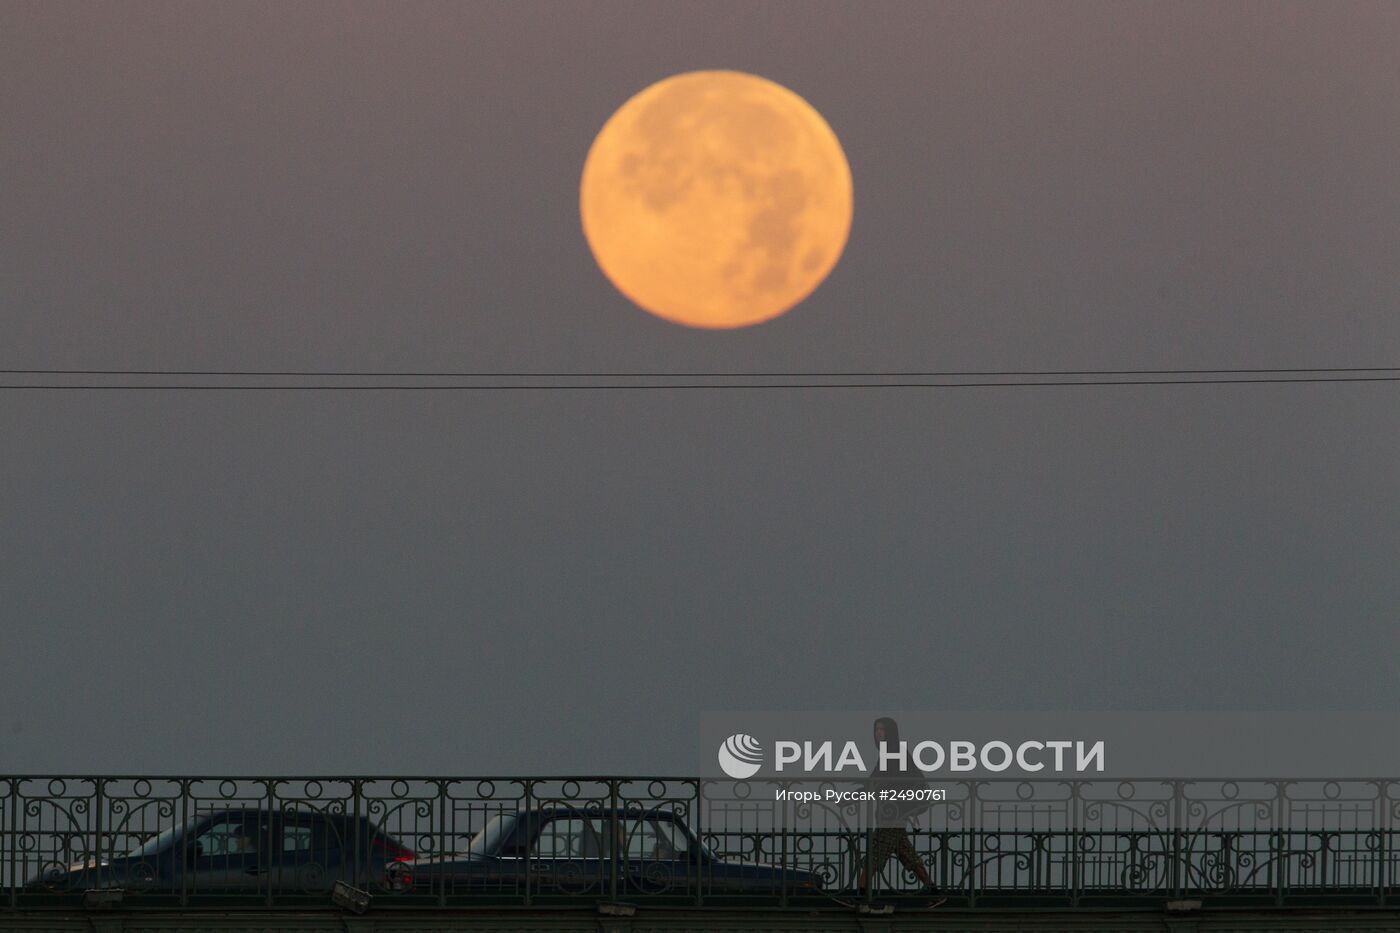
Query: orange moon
{"points": [[716, 199]]}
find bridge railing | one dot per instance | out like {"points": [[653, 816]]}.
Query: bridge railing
{"points": [[428, 842]]}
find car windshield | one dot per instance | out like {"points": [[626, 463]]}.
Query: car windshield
{"points": [[488, 839], [158, 843]]}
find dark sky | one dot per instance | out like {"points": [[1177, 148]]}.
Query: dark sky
{"points": [[561, 582]]}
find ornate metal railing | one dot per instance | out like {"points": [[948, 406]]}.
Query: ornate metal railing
{"points": [[171, 841]]}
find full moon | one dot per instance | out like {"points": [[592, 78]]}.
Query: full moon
{"points": [[716, 199]]}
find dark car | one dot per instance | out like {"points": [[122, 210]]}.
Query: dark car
{"points": [[240, 851], [571, 852]]}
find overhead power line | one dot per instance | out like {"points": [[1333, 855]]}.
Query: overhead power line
{"points": [[219, 380], [663, 387], [884, 374]]}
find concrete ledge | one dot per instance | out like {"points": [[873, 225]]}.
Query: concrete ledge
{"points": [[579, 920]]}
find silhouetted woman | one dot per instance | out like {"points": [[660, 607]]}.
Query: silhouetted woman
{"points": [[889, 836]]}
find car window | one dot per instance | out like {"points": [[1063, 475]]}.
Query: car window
{"points": [[302, 832], [231, 835], [670, 838], [296, 839], [651, 839], [568, 838]]}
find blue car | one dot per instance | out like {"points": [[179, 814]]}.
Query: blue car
{"points": [[241, 851], [591, 853]]}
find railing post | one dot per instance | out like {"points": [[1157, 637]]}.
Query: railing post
{"points": [[783, 830], [700, 839], [96, 849], [529, 822], [1285, 832], [1383, 840], [786, 831], [442, 804], [868, 853], [12, 852], [1178, 854], [270, 805], [358, 846], [1075, 841], [617, 847], [971, 829], [184, 847]]}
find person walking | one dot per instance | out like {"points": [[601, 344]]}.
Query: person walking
{"points": [[889, 836]]}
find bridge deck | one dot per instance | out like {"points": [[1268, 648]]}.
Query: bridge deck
{"points": [[590, 920]]}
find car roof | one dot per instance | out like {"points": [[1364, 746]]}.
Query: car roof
{"points": [[263, 811], [633, 813]]}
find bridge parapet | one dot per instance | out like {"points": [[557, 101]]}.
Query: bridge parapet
{"points": [[688, 843]]}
